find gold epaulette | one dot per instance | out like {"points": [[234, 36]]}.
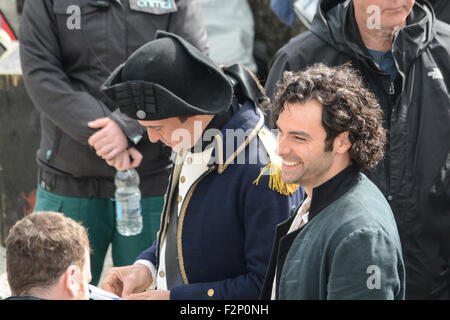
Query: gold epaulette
{"points": [[275, 181]]}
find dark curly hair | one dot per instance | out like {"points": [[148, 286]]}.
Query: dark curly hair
{"points": [[347, 106]]}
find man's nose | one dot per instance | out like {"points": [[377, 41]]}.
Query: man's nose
{"points": [[282, 146], [153, 135]]}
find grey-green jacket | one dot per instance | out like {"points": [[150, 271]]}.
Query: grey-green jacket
{"points": [[349, 249]]}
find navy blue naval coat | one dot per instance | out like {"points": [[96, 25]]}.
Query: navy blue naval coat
{"points": [[227, 223]]}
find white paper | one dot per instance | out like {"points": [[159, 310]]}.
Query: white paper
{"points": [[96, 293]]}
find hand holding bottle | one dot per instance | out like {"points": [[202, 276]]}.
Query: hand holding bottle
{"points": [[109, 140], [129, 158]]}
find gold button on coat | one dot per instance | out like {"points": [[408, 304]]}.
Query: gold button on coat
{"points": [[183, 179], [162, 274], [180, 198], [210, 292], [189, 160]]}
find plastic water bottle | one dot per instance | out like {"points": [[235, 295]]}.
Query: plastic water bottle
{"points": [[128, 202]]}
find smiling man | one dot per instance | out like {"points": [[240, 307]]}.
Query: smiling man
{"points": [[343, 241], [401, 51]]}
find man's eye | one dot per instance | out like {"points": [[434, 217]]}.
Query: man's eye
{"points": [[299, 138]]}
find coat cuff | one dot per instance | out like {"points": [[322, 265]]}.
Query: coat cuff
{"points": [[130, 127], [149, 265]]}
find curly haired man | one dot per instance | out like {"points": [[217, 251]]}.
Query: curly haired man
{"points": [[342, 241]]}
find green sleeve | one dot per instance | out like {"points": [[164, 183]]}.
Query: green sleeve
{"points": [[366, 265]]}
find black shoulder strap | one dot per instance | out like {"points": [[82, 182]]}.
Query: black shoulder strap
{"points": [[244, 85]]}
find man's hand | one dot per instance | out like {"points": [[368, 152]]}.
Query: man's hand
{"points": [[151, 295], [124, 281], [122, 160], [109, 141]]}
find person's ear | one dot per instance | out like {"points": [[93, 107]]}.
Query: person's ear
{"points": [[342, 143], [7, 279], [72, 280]]}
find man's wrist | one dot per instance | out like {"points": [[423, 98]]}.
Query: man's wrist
{"points": [[149, 265]]}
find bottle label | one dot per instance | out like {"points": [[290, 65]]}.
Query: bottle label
{"points": [[134, 204], [119, 210], [128, 208], [133, 211]]}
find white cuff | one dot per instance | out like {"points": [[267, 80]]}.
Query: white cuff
{"points": [[150, 266]]}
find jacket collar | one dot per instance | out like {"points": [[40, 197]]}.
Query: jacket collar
{"points": [[236, 135], [323, 196], [218, 122], [333, 189], [335, 24]]}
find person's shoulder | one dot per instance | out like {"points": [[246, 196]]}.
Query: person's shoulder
{"points": [[304, 41], [442, 33], [302, 51], [353, 209], [23, 298], [365, 191], [442, 26], [363, 207]]}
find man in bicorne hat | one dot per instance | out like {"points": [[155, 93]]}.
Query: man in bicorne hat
{"points": [[221, 209]]}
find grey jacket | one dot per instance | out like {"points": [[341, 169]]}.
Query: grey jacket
{"points": [[349, 249], [68, 48]]}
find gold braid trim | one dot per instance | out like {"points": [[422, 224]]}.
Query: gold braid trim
{"points": [[242, 147], [186, 201]]}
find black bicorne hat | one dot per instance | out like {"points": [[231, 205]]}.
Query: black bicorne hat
{"points": [[168, 77]]}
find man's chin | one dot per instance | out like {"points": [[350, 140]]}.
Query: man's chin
{"points": [[289, 179], [177, 148]]}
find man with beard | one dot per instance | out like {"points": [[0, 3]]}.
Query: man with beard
{"points": [[343, 242], [47, 257]]}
